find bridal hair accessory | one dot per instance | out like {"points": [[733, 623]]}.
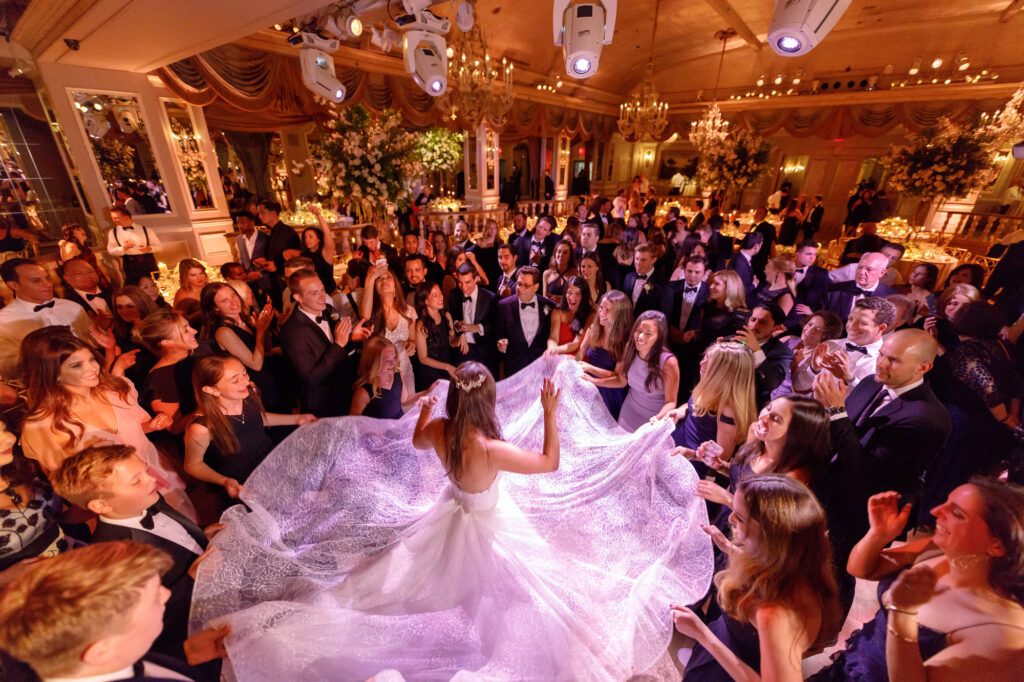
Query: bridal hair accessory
{"points": [[468, 385]]}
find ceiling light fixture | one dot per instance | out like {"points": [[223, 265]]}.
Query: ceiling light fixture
{"points": [[915, 67], [937, 63]]}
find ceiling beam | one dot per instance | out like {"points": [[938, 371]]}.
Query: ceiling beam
{"points": [[1011, 10], [44, 21], [733, 19]]}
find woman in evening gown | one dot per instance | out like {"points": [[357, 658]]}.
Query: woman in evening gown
{"points": [[364, 553]]}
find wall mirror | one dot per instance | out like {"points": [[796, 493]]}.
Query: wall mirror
{"points": [[185, 142]]}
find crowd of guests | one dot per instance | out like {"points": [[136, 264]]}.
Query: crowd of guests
{"points": [[826, 412]]}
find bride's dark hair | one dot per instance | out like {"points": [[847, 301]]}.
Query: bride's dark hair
{"points": [[470, 406]]}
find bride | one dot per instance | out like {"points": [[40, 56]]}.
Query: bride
{"points": [[365, 551]]}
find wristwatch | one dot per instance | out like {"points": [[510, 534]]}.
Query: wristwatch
{"points": [[833, 411]]}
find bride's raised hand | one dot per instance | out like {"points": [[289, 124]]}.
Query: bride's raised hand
{"points": [[549, 396]]}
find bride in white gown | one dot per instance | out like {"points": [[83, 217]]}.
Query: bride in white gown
{"points": [[362, 553]]}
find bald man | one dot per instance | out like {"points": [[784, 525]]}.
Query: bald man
{"points": [[866, 282], [884, 433]]}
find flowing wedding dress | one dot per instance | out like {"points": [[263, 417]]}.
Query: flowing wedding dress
{"points": [[359, 555]]}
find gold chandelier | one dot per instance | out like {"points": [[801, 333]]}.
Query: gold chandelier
{"points": [[645, 113], [479, 89], [711, 129]]}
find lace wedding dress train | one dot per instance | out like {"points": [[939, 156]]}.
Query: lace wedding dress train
{"points": [[359, 555]]}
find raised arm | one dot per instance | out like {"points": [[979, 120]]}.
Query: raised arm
{"points": [[329, 248], [867, 559], [508, 457]]}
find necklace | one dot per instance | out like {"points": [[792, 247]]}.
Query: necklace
{"points": [[962, 563], [239, 417]]}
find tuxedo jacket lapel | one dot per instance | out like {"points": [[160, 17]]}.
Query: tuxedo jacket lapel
{"points": [[193, 530]]}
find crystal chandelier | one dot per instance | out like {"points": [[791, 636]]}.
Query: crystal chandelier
{"points": [[644, 114], [479, 89], [712, 129]]}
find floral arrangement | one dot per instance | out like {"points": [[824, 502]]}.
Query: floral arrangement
{"points": [[115, 158], [946, 161], [1006, 126], [737, 160], [364, 158], [439, 149], [189, 155]]}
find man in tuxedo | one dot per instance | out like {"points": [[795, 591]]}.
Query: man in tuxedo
{"points": [[743, 262], [537, 250], [768, 237], [415, 275], [689, 296], [113, 482], [82, 286], [603, 216], [884, 433], [590, 234], [524, 322], [460, 235], [866, 282], [771, 356], [474, 311], [852, 358], [812, 222], [519, 229], [812, 282], [505, 285], [283, 244], [319, 345], [252, 246], [113, 590], [644, 286]]}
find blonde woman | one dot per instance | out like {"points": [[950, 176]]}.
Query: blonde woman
{"points": [[604, 345], [779, 284], [191, 280], [940, 325], [722, 406], [379, 391], [725, 310]]}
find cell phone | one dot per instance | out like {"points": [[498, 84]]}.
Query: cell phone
{"points": [[380, 261]]}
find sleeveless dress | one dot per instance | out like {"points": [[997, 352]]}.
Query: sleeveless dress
{"points": [[739, 638], [398, 336], [556, 289], [694, 429], [253, 444], [438, 348], [263, 378], [640, 404], [565, 333], [324, 270], [612, 397], [388, 405], [360, 555]]}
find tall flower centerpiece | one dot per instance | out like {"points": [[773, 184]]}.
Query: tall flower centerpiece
{"points": [[947, 161], [365, 158], [439, 149], [732, 159]]}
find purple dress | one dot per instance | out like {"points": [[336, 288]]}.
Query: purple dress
{"points": [[640, 404], [613, 397]]}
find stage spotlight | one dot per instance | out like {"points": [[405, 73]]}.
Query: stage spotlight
{"points": [[581, 29], [799, 25]]}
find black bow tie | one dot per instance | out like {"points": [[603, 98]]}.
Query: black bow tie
{"points": [[44, 305], [689, 290], [523, 306], [91, 297], [801, 269], [850, 346], [147, 519], [130, 227], [537, 243], [322, 318], [639, 276], [863, 292]]}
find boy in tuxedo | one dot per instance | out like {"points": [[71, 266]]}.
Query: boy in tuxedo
{"points": [[473, 310], [524, 322], [645, 287], [113, 482], [103, 609]]}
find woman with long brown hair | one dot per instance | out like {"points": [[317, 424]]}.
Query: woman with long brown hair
{"points": [[380, 391], [73, 402], [778, 595], [73, 245], [604, 345], [228, 437], [390, 315], [649, 369]]}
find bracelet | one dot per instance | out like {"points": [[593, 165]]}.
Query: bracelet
{"points": [[893, 609], [908, 640]]}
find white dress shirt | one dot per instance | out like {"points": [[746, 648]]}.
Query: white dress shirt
{"points": [[164, 526], [686, 307], [888, 395], [324, 327], [469, 312], [98, 304], [137, 234], [249, 243], [19, 319], [639, 284], [529, 319]]}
